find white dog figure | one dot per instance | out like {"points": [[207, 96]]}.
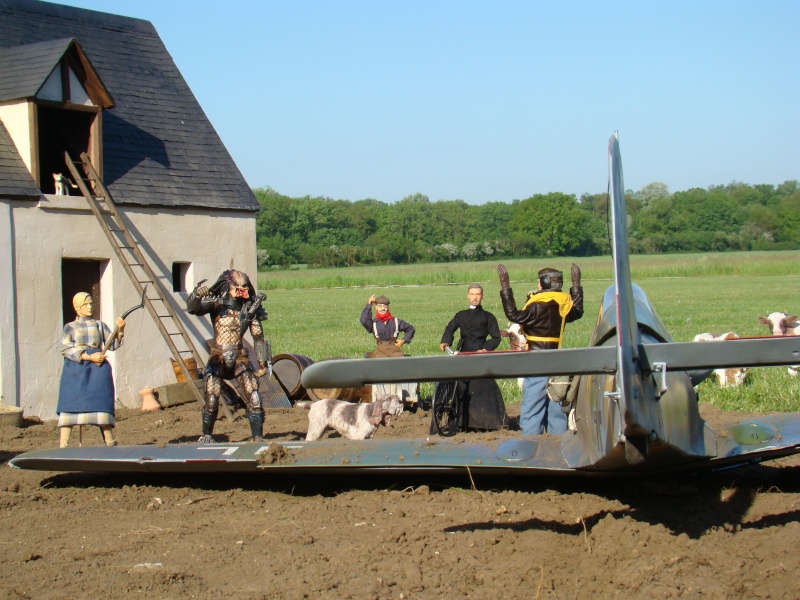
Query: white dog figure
{"points": [[62, 184], [353, 421]]}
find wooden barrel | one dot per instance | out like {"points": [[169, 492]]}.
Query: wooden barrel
{"points": [[340, 393], [191, 365], [287, 369], [347, 394]]}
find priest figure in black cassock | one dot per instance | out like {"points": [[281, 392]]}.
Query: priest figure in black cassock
{"points": [[481, 400]]}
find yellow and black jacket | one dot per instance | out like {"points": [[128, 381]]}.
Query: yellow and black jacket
{"points": [[544, 315]]}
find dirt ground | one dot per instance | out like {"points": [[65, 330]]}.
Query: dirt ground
{"points": [[72, 535]]}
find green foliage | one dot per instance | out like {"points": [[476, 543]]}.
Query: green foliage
{"points": [[324, 232], [733, 217], [553, 219]]}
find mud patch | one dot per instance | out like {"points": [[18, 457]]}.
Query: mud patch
{"points": [[275, 454], [382, 535]]}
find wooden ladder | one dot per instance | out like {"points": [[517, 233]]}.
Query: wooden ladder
{"points": [[138, 269]]}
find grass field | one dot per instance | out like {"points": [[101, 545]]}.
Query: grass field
{"points": [[691, 293], [732, 264]]}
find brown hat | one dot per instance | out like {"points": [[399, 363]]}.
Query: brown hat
{"points": [[381, 300]]}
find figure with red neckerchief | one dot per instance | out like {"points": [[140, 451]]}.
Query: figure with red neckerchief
{"points": [[386, 328]]}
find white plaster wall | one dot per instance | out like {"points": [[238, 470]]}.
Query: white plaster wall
{"points": [[8, 319], [60, 228], [15, 117]]}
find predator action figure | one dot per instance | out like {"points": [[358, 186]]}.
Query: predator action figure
{"points": [[234, 307]]}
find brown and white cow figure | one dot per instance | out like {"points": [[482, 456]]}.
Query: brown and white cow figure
{"points": [[517, 340], [725, 377], [780, 323], [515, 337]]}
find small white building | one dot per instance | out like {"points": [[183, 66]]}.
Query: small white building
{"points": [[83, 81]]}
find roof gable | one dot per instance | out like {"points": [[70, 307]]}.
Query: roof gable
{"points": [[159, 149], [23, 69], [27, 70]]}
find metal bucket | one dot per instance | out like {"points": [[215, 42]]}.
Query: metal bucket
{"points": [[10, 415]]}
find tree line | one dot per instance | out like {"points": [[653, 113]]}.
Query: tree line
{"points": [[329, 233]]}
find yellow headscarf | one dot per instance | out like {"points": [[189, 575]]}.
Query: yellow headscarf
{"points": [[79, 300]]}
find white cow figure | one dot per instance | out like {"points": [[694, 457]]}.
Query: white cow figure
{"points": [[725, 377], [780, 323]]}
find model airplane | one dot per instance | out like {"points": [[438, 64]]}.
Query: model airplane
{"points": [[635, 409]]}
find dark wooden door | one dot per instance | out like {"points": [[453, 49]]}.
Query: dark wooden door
{"points": [[79, 276]]}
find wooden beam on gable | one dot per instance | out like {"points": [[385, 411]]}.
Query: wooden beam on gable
{"points": [[86, 73]]}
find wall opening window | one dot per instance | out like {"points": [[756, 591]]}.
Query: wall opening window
{"points": [[61, 131], [79, 276], [68, 109], [180, 276]]}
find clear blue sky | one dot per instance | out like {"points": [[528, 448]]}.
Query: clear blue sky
{"points": [[484, 101]]}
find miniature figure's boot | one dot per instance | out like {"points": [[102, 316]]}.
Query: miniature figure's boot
{"points": [[209, 418], [108, 435], [256, 419], [65, 432]]}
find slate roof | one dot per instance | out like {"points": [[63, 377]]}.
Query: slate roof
{"points": [[15, 179], [159, 148], [23, 69]]}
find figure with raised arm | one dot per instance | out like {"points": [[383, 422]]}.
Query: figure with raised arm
{"points": [[545, 313], [235, 308], [86, 394], [386, 328]]}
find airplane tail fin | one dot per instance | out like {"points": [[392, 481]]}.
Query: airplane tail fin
{"points": [[629, 376]]}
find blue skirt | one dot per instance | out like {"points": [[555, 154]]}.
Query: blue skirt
{"points": [[86, 387]]}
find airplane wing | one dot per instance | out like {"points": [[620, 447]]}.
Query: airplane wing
{"points": [[677, 356], [749, 442]]}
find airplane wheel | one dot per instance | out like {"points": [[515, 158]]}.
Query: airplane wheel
{"points": [[445, 408]]}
